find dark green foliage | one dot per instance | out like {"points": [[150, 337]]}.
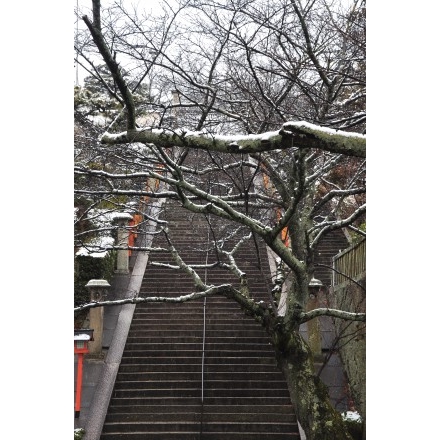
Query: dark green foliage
{"points": [[89, 268], [79, 434], [355, 429]]}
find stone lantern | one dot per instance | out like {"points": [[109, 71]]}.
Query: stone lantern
{"points": [[313, 326], [98, 292], [121, 221]]}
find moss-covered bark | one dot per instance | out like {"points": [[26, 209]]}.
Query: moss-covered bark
{"points": [[309, 395]]}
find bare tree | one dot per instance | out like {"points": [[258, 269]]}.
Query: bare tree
{"points": [[243, 71]]}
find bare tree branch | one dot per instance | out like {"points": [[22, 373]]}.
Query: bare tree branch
{"points": [[292, 135], [335, 313]]}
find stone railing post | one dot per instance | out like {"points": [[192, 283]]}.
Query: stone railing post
{"points": [[98, 291], [121, 220]]}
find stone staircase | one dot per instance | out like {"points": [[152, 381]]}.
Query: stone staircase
{"points": [[175, 384]]}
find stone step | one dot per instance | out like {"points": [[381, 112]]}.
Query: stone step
{"points": [[218, 325], [222, 386], [211, 357], [228, 376], [128, 367], [140, 331], [209, 346], [192, 425], [209, 360], [197, 435], [192, 390], [164, 410], [212, 323], [196, 416], [180, 339], [224, 314], [193, 400]]}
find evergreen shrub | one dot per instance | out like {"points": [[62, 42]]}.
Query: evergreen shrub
{"points": [[91, 268]]}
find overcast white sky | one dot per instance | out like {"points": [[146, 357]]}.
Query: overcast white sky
{"points": [[85, 7]]}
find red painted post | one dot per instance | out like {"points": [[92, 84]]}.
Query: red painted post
{"points": [[79, 384], [81, 340]]}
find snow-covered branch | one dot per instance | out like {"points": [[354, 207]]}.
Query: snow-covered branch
{"points": [[350, 316], [212, 290], [293, 135]]}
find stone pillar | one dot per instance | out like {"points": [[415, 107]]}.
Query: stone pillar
{"points": [[174, 110], [313, 326], [97, 290], [121, 221]]}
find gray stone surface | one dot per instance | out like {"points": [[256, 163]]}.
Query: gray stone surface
{"points": [[116, 332]]}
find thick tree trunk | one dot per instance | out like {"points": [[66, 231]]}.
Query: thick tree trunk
{"points": [[308, 393]]}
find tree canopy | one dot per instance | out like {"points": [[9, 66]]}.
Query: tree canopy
{"points": [[251, 111]]}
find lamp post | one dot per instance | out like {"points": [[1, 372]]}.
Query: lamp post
{"points": [[313, 326], [81, 339], [98, 292]]}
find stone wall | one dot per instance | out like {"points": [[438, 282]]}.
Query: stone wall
{"points": [[352, 344]]}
